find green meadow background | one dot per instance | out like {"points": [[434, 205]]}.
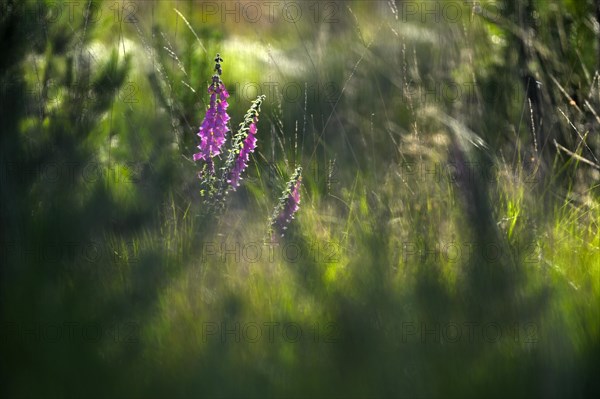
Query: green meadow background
{"points": [[447, 241]]}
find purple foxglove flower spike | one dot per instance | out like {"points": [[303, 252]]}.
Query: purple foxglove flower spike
{"points": [[244, 144], [241, 161], [213, 130], [289, 204]]}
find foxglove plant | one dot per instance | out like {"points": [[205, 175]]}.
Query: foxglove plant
{"points": [[213, 131], [213, 135], [289, 203], [244, 144]]}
